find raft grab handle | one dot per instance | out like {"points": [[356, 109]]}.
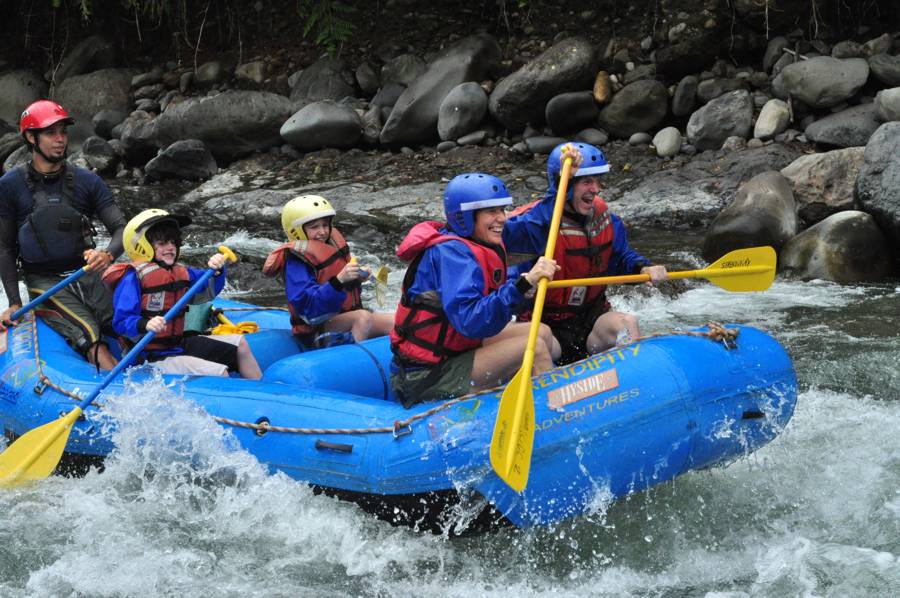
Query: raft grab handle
{"points": [[333, 446]]}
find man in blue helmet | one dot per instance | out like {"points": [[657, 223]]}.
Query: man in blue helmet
{"points": [[592, 242], [452, 332]]}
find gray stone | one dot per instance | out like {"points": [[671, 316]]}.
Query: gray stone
{"points": [[846, 128], [848, 49], [231, 124], [388, 95], [99, 155], [685, 96], [847, 247], [887, 104], [326, 79], [90, 54], [188, 159], [138, 137], [667, 142], [251, 72], [762, 213], [86, 95], [594, 137], [323, 124], [772, 120], [886, 69], [639, 139], [446, 146], [210, 73], [520, 98], [367, 78], [414, 118], [774, 51], [149, 91], [727, 115], [105, 120], [824, 183], [572, 111], [403, 69], [372, 124], [18, 89], [638, 107], [461, 111], [824, 81], [879, 180], [19, 156], [474, 138], [9, 143], [712, 88], [151, 77], [542, 144]]}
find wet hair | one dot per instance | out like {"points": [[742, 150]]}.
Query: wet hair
{"points": [[167, 230]]}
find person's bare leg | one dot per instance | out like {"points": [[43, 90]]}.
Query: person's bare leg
{"points": [[497, 362], [358, 322], [517, 329], [247, 364], [382, 323], [100, 356], [606, 330]]}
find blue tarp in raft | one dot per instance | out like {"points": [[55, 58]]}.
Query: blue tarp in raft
{"points": [[612, 424]]}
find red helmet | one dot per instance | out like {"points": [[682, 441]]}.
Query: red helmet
{"points": [[43, 114]]}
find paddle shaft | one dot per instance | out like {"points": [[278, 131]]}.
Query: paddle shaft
{"points": [[629, 278], [135, 351], [49, 293], [537, 311]]}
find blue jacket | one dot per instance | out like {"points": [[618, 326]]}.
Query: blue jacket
{"points": [[127, 301], [451, 269], [314, 302]]}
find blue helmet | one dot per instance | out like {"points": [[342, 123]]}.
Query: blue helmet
{"points": [[592, 162], [469, 192]]}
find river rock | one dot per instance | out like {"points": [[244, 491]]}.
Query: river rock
{"points": [[879, 179], [367, 78], [824, 183], [19, 156], [105, 120], [847, 128], [187, 159], [774, 51], [18, 89], [521, 98], [886, 68], [461, 111], [570, 112], [210, 73], [90, 54], [637, 108], [710, 89], [323, 124], [691, 55], [151, 77], [403, 69], [326, 79], [823, 81], [138, 137], [693, 194], [231, 124], [887, 104], [772, 120], [372, 124], [595, 137], [667, 142], [9, 143], [847, 247], [727, 115], [762, 213], [99, 155], [86, 95], [602, 88], [685, 95], [253, 72], [414, 118]]}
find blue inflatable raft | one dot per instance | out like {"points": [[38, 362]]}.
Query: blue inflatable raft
{"points": [[607, 426]]}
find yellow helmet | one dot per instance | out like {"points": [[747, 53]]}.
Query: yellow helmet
{"points": [[299, 211], [134, 238]]}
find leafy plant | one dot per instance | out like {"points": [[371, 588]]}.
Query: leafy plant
{"points": [[328, 20]]}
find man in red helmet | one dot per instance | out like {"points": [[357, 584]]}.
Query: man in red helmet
{"points": [[46, 211]]}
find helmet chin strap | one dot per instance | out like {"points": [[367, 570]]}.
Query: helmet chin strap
{"points": [[37, 148]]}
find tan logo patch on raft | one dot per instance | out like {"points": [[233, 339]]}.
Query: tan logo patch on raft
{"points": [[582, 389]]}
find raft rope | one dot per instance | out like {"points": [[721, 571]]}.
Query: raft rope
{"points": [[716, 332]]}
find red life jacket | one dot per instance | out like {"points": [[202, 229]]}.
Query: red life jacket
{"points": [[161, 288], [422, 333], [583, 250], [326, 260]]}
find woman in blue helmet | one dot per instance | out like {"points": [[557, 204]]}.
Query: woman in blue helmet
{"points": [[452, 331], [592, 242]]}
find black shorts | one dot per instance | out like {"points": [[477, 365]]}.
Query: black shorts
{"points": [[210, 349]]}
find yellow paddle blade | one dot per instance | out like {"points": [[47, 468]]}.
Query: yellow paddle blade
{"points": [[381, 281], [742, 270], [36, 454], [513, 437]]}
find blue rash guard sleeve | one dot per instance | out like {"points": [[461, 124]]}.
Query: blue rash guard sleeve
{"points": [[312, 301], [450, 268]]}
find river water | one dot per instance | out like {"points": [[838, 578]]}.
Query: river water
{"points": [[181, 510]]}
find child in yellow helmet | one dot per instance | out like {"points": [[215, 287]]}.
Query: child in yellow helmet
{"points": [[322, 281]]}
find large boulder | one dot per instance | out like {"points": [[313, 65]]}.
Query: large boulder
{"points": [[90, 54], [414, 119], [823, 81], [323, 124], [637, 108], [728, 115], [847, 247], [824, 183], [521, 98], [762, 213], [878, 183], [188, 159], [83, 96], [461, 111], [138, 137], [571, 112], [17, 90], [326, 79], [886, 68], [231, 124], [847, 128]]}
